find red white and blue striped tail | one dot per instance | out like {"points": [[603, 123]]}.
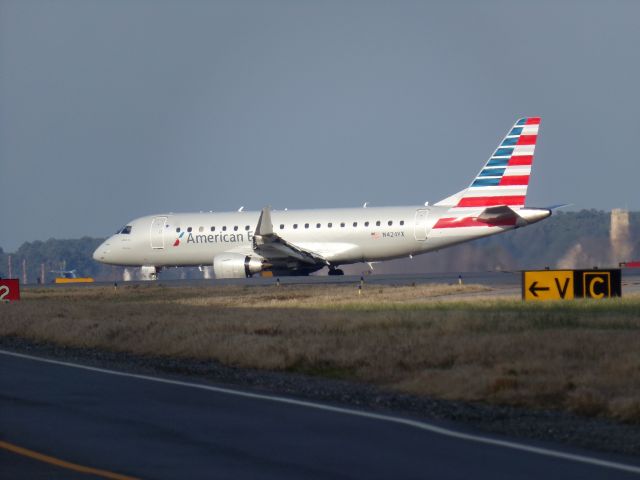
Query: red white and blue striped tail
{"points": [[505, 177]]}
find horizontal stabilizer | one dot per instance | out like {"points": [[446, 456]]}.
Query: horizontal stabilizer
{"points": [[559, 206], [497, 214], [504, 215]]}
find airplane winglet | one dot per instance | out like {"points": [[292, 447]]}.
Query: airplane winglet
{"points": [[265, 227], [269, 244]]}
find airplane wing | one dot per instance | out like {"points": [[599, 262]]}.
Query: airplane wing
{"points": [[272, 246]]}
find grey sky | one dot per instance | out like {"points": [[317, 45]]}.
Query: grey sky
{"points": [[115, 109]]}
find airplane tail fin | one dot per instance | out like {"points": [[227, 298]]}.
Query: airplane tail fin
{"points": [[505, 177]]}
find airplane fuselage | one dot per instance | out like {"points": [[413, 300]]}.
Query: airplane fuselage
{"points": [[340, 235]]}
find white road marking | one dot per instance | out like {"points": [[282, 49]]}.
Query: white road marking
{"points": [[347, 411]]}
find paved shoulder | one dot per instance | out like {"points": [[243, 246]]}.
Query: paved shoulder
{"points": [[153, 427]]}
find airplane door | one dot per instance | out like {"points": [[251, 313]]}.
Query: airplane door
{"points": [[420, 226], [157, 232]]}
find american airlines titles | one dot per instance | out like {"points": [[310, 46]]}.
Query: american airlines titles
{"points": [[200, 238], [219, 238]]}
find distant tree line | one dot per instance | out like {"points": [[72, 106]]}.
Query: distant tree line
{"points": [[53, 254], [573, 239]]}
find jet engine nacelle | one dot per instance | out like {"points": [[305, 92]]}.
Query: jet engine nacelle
{"points": [[236, 265]]}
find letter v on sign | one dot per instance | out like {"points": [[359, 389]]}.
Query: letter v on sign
{"points": [[562, 290], [547, 285]]}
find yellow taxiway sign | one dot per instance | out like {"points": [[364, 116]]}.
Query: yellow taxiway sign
{"points": [[548, 285], [570, 284]]}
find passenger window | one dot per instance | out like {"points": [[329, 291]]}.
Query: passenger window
{"points": [[281, 226], [366, 224], [390, 222], [342, 224], [224, 228], [189, 229], [355, 224], [317, 225], [235, 228], [213, 229], [295, 226], [247, 227], [329, 224], [401, 222], [306, 225], [201, 229], [378, 223], [178, 230]]}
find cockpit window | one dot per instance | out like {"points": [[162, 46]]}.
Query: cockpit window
{"points": [[126, 230]]}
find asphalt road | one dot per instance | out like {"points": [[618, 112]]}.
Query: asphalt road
{"points": [[129, 425]]}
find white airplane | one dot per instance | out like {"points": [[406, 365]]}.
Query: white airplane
{"points": [[298, 242]]}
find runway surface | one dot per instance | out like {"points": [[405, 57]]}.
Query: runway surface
{"points": [[502, 282], [135, 426]]}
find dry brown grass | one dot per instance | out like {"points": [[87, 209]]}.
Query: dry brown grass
{"points": [[581, 356]]}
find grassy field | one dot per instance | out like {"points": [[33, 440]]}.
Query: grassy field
{"points": [[581, 356]]}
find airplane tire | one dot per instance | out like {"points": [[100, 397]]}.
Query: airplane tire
{"points": [[336, 271]]}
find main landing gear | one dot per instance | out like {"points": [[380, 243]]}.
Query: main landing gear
{"points": [[335, 271], [149, 272]]}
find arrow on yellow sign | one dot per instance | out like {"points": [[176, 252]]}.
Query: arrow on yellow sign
{"points": [[534, 289], [547, 285]]}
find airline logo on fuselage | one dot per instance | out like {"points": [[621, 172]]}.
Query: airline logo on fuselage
{"points": [[177, 242], [200, 238]]}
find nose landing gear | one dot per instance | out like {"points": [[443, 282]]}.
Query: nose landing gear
{"points": [[335, 271]]}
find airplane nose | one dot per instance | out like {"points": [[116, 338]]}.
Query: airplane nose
{"points": [[100, 253]]}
